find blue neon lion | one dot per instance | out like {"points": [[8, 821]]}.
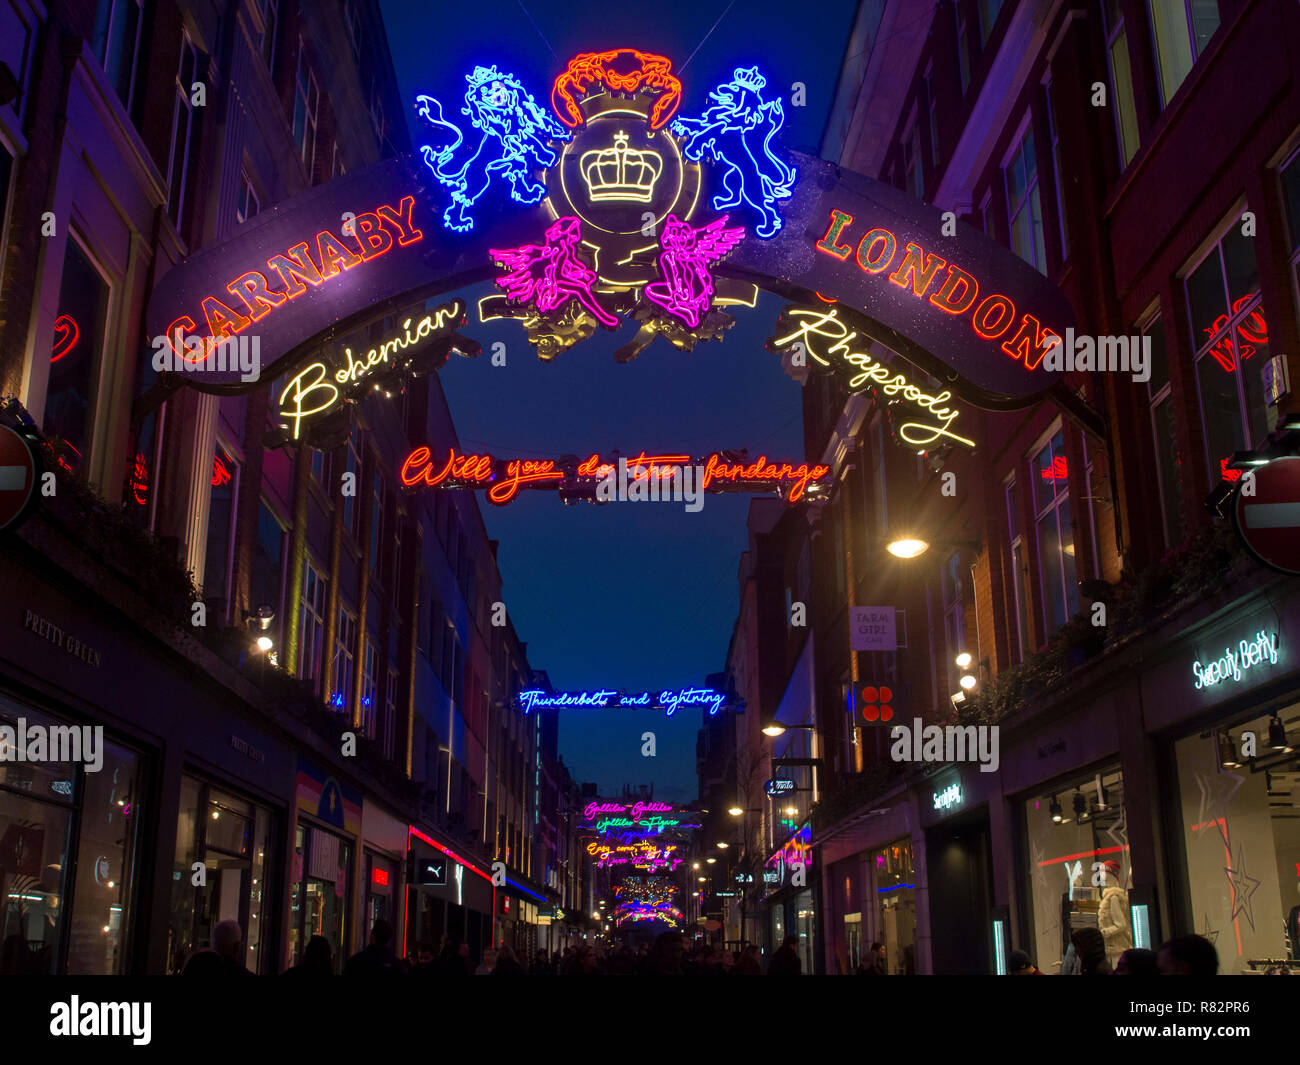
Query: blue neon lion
{"points": [[737, 131], [514, 130]]}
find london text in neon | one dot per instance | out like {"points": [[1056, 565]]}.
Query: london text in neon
{"points": [[918, 272]]}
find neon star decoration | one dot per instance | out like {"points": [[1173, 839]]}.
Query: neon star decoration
{"points": [[686, 290], [513, 130], [737, 133], [549, 275]]}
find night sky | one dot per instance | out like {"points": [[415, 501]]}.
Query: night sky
{"points": [[634, 596]]}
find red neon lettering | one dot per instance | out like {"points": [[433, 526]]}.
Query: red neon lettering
{"points": [[830, 243], [1029, 343], [943, 298], [980, 323], [875, 264], [176, 333], [379, 876], [912, 258], [338, 258], [222, 321], [401, 221], [251, 288], [371, 235], [1226, 474], [1057, 471], [519, 473], [587, 468], [295, 267]]}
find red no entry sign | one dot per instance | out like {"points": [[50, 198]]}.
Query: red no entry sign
{"points": [[17, 476], [1268, 522]]}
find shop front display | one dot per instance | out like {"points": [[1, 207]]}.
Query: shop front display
{"points": [[894, 896], [1079, 876], [69, 841], [224, 853], [1239, 794]]}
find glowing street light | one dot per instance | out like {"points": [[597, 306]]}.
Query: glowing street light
{"points": [[907, 547]]}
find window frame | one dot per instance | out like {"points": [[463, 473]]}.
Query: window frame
{"points": [[1068, 574], [315, 613], [1032, 192], [1112, 36], [182, 99], [306, 92], [344, 658]]}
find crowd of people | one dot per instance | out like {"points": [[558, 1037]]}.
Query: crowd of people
{"points": [[670, 955]]}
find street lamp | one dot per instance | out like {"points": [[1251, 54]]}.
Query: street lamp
{"points": [[907, 547], [723, 844], [777, 729], [736, 811]]}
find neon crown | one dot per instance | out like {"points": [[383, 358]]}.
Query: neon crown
{"points": [[620, 172], [749, 78]]}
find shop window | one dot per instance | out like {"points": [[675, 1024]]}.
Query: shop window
{"points": [[893, 879], [1230, 333], [306, 102], [1181, 29], [1241, 831], [267, 583], [1079, 874], [1289, 174], [183, 121], [117, 46], [221, 529], [48, 924], [1168, 455], [345, 641], [79, 331], [1055, 532], [318, 902], [1024, 206], [312, 630], [1121, 82], [231, 837], [381, 890]]}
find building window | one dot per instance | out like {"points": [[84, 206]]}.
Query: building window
{"points": [[221, 530], [336, 163], [1024, 207], [79, 331], [178, 166], [352, 512], [1232, 352], [248, 205], [1121, 82], [117, 46], [322, 465], [312, 628], [988, 220], [1055, 532], [305, 104], [270, 23], [377, 117], [954, 610], [1181, 29], [1290, 179], [352, 18], [267, 582], [1054, 129], [932, 105], [1168, 457], [377, 500], [390, 715], [369, 691], [963, 45], [913, 172], [989, 10], [1019, 572], [345, 640]]}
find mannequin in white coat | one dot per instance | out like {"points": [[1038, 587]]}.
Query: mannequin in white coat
{"points": [[1112, 915]]}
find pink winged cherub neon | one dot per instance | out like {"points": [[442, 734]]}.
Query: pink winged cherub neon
{"points": [[551, 274], [687, 286]]}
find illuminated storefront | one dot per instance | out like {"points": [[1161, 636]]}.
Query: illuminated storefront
{"points": [[324, 865], [448, 898]]}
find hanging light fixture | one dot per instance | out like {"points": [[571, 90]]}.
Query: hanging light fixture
{"points": [[1228, 752], [1277, 735], [1055, 810], [1080, 805]]}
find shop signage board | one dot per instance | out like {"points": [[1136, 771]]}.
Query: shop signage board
{"points": [[873, 628], [432, 872], [949, 798], [1268, 521], [779, 787], [1237, 661], [636, 194]]}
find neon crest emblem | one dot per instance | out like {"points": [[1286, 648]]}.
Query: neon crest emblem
{"points": [[737, 133], [687, 286], [513, 130]]}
